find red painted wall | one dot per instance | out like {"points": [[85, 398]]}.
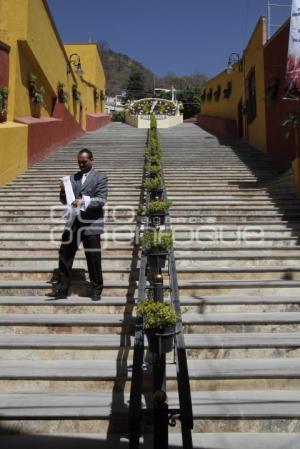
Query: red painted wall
{"points": [[46, 135], [275, 55], [4, 64], [218, 125], [97, 120]]}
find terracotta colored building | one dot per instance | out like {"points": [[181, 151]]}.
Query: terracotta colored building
{"points": [[277, 109]]}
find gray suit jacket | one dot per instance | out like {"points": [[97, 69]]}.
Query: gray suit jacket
{"points": [[95, 187]]}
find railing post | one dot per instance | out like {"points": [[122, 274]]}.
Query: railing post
{"points": [[159, 288], [160, 420]]}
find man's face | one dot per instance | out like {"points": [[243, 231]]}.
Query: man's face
{"points": [[84, 162]]}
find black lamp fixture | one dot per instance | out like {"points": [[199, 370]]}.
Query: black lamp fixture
{"points": [[234, 59], [74, 60]]}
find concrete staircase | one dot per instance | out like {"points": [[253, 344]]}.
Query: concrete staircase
{"points": [[237, 254], [65, 365]]}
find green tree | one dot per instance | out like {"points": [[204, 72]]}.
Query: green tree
{"points": [[136, 85], [190, 97]]}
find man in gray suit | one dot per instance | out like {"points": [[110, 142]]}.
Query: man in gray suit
{"points": [[85, 223]]}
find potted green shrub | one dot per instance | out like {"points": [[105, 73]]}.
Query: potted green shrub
{"points": [[3, 103], [36, 94], [96, 95], [157, 210], [217, 93], [156, 245], [153, 143], [228, 90], [76, 93], [62, 94], [153, 122], [154, 159], [209, 94], [154, 170], [159, 324], [155, 187]]}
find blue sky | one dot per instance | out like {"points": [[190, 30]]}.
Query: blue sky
{"points": [[166, 35]]}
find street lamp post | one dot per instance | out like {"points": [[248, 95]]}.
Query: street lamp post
{"points": [[234, 58], [74, 60]]}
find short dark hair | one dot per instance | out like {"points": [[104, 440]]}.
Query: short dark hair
{"points": [[87, 151]]}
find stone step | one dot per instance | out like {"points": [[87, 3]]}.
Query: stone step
{"points": [[197, 218], [52, 250], [250, 241], [14, 226], [173, 188], [48, 273], [42, 408], [198, 208], [51, 262], [46, 178], [18, 375], [236, 287], [17, 249], [202, 440], [215, 233], [228, 201], [114, 211], [12, 323], [232, 261], [20, 288], [115, 234], [120, 241], [234, 273], [53, 191], [204, 304], [43, 220], [117, 239], [237, 250], [74, 323], [55, 203], [244, 233], [282, 226], [96, 346], [107, 369], [37, 272], [229, 322]]}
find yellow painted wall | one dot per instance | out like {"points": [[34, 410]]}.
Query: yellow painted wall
{"points": [[254, 58], [13, 150], [36, 48], [93, 75], [13, 26], [224, 107], [27, 26]]}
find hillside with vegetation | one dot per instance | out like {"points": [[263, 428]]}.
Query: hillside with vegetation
{"points": [[119, 67]]}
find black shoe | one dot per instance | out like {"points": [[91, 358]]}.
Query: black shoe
{"points": [[95, 297], [60, 294]]}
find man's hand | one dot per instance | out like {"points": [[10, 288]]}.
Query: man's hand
{"points": [[77, 202], [62, 186]]}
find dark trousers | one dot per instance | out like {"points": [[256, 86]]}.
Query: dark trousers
{"points": [[70, 242]]}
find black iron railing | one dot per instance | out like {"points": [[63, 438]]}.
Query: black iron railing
{"points": [[152, 285]]}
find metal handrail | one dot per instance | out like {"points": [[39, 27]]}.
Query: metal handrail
{"points": [[183, 382], [185, 402], [135, 403]]}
